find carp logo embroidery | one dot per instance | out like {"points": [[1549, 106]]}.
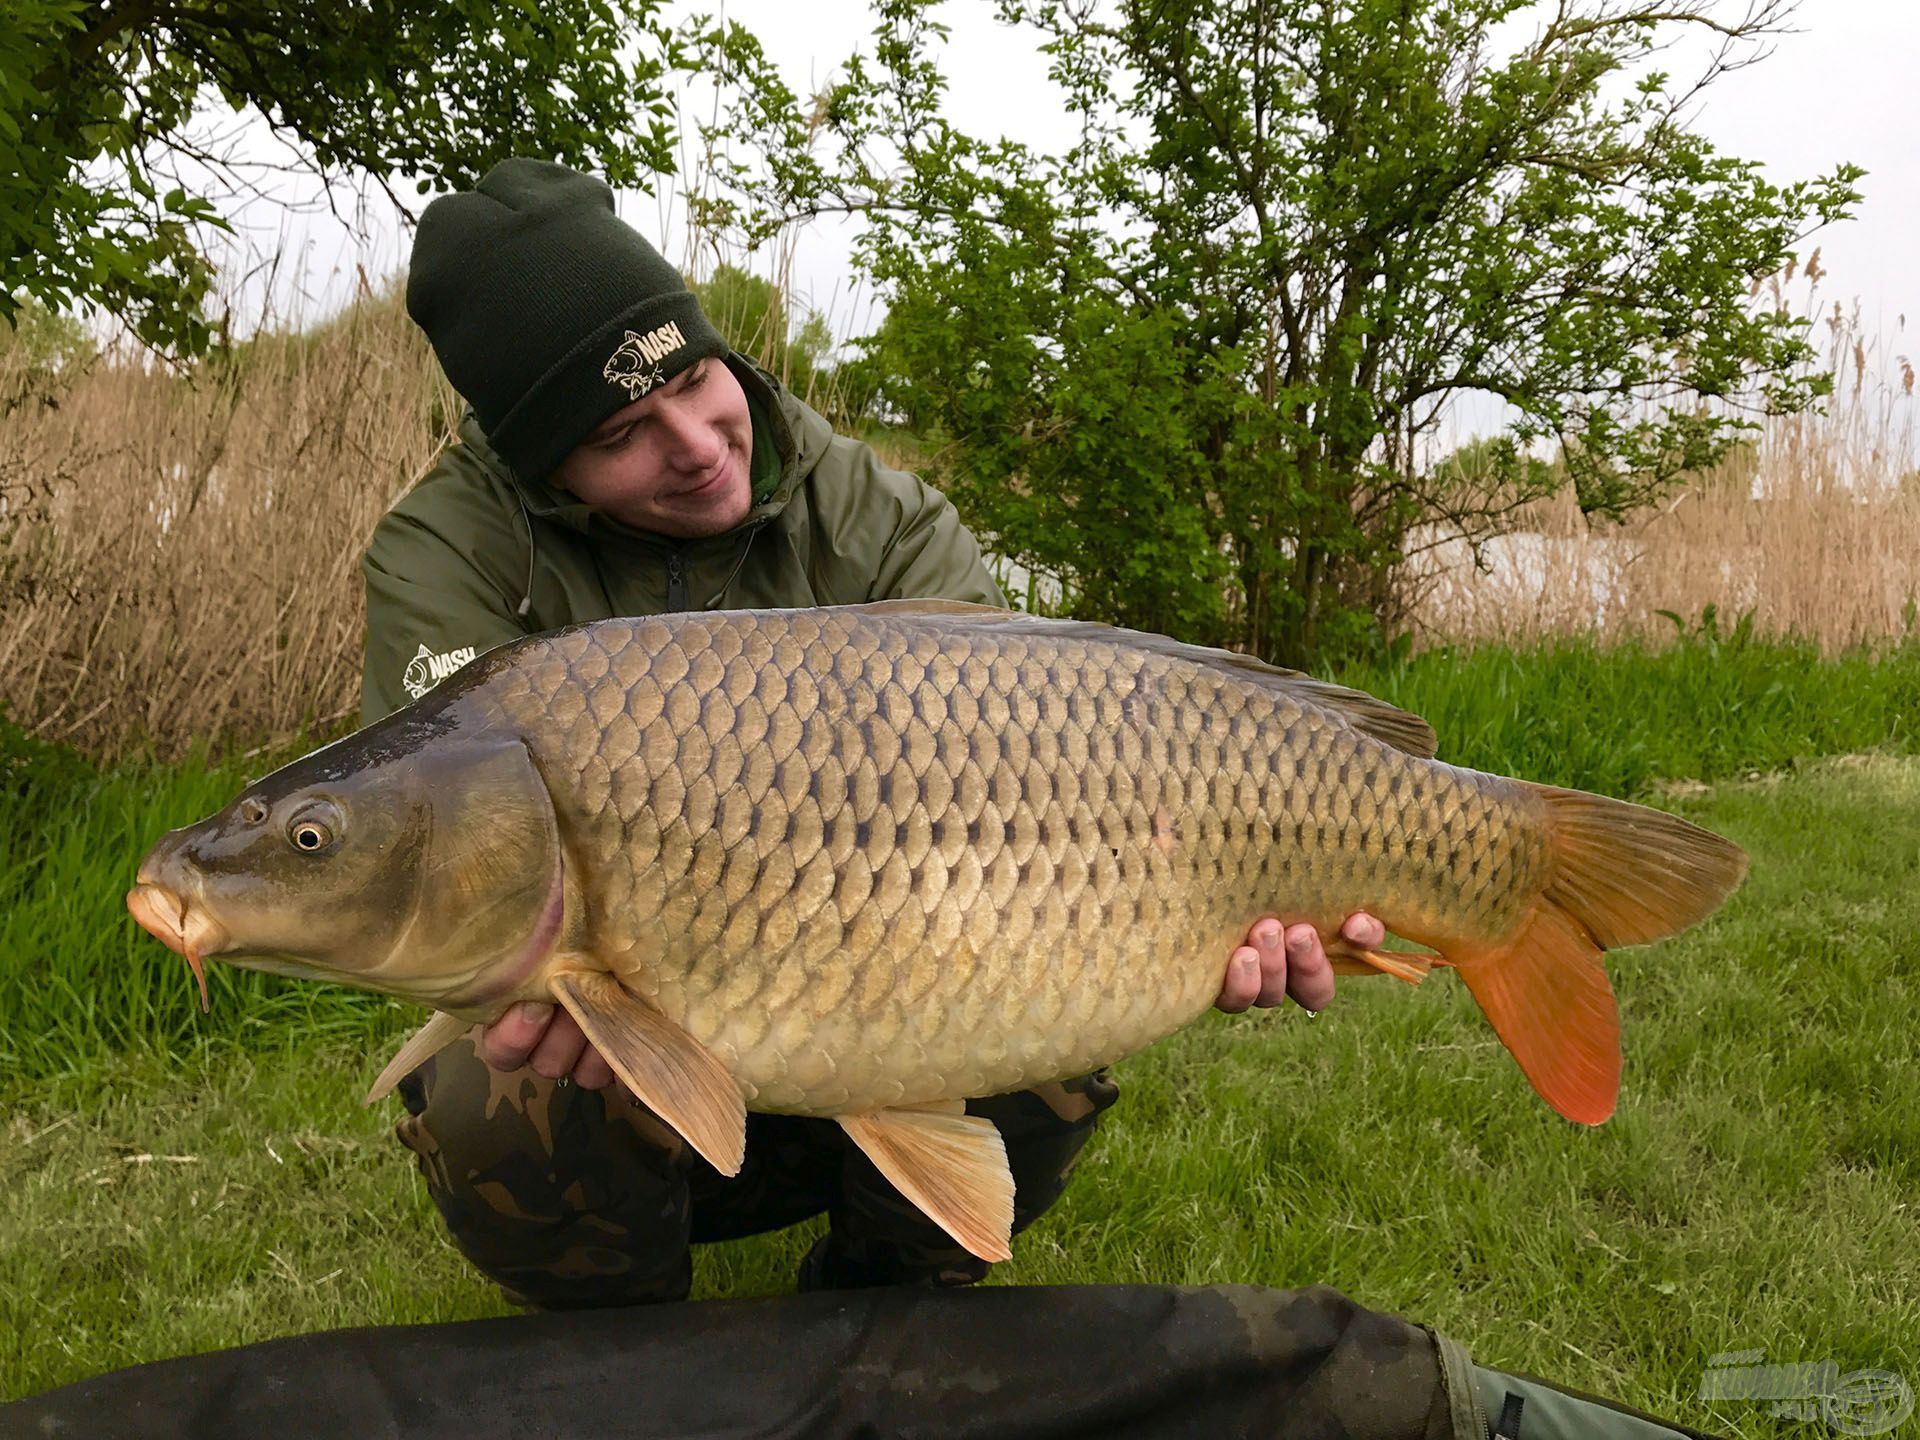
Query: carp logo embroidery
{"points": [[628, 367], [427, 670]]}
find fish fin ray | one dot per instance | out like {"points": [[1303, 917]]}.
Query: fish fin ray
{"points": [[1631, 874], [1623, 874], [668, 1070], [1547, 996], [1386, 723], [1401, 964], [425, 1043], [952, 1165]]}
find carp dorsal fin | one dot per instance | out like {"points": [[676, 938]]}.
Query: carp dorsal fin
{"points": [[668, 1071], [951, 1164], [426, 1042], [1369, 715]]}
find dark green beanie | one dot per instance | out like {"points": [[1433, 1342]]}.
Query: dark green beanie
{"points": [[547, 311]]}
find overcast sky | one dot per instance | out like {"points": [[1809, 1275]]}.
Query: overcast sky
{"points": [[1839, 90]]}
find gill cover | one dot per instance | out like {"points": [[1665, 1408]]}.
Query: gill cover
{"points": [[490, 899]]}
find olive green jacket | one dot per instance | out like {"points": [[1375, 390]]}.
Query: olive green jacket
{"points": [[474, 556]]}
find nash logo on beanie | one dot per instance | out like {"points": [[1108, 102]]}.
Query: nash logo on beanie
{"points": [[628, 366]]}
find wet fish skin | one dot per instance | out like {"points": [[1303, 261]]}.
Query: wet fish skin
{"points": [[877, 859]]}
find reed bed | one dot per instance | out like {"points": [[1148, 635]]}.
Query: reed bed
{"points": [[1812, 530], [179, 552]]}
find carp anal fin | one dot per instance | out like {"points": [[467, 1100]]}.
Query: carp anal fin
{"points": [[1406, 965], [425, 1043], [951, 1164], [668, 1071]]}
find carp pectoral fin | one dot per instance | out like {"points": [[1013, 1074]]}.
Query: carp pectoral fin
{"points": [[426, 1042], [951, 1164], [668, 1071], [1401, 964]]}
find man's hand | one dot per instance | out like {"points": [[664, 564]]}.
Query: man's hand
{"points": [[535, 1033], [1273, 964]]}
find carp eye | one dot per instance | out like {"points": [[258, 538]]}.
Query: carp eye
{"points": [[310, 835], [314, 828]]}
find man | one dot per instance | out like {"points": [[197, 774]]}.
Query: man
{"points": [[621, 460]]}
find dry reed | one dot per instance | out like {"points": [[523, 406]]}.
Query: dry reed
{"points": [[1814, 528], [179, 553]]}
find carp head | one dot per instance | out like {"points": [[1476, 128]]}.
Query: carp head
{"points": [[424, 867]]}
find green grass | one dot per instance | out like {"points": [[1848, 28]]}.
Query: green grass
{"points": [[1620, 719], [78, 980], [1758, 1188]]}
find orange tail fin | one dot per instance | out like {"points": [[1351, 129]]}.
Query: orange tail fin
{"points": [[1623, 875]]}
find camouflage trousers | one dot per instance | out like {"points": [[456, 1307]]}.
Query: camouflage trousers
{"points": [[570, 1198]]}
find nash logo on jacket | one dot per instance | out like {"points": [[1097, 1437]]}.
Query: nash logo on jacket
{"points": [[425, 671], [628, 367]]}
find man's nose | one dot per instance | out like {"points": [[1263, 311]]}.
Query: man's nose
{"points": [[693, 442]]}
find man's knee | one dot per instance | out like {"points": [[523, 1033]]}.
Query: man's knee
{"points": [[561, 1197], [1045, 1129]]}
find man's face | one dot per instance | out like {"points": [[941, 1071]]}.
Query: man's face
{"points": [[676, 462]]}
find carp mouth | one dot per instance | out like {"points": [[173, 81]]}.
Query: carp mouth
{"points": [[185, 930]]}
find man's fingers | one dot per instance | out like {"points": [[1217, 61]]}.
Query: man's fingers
{"points": [[593, 1072], [1242, 984], [1309, 975], [1270, 941], [534, 1033], [1363, 932], [506, 1044], [1276, 963], [560, 1048]]}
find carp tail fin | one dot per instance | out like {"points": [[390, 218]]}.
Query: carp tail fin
{"points": [[1623, 874]]}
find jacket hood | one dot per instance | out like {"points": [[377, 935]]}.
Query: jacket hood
{"points": [[800, 436]]}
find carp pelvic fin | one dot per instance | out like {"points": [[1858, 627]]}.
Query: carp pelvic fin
{"points": [[1406, 965], [668, 1071], [425, 1043], [951, 1164]]}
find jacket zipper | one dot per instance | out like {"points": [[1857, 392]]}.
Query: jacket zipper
{"points": [[676, 581]]}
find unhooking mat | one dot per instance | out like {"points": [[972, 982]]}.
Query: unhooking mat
{"points": [[995, 1363]]}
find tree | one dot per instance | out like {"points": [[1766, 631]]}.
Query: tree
{"points": [[753, 313], [1190, 367], [97, 99]]}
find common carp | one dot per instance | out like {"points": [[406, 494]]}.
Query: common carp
{"points": [[868, 862]]}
